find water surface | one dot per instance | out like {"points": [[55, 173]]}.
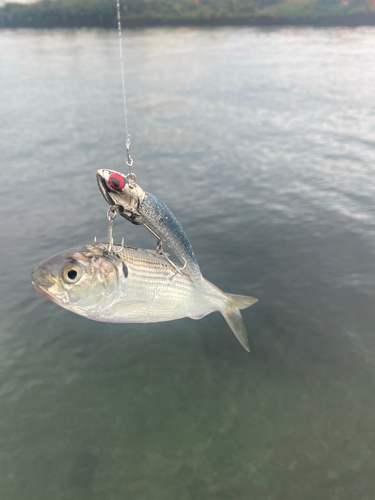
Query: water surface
{"points": [[262, 143]]}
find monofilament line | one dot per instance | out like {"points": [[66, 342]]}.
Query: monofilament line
{"points": [[122, 74]]}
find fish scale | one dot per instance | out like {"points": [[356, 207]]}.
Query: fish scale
{"points": [[153, 291], [159, 284]]}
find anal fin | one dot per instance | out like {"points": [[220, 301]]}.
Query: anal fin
{"points": [[199, 316]]}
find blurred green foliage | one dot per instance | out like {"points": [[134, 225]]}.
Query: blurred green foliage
{"points": [[102, 13]]}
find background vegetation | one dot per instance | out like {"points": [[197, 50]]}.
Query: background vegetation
{"points": [[102, 13]]}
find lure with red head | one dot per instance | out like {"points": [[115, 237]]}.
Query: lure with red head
{"points": [[140, 207], [122, 193]]}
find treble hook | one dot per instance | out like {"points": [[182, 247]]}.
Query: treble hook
{"points": [[122, 246], [111, 215]]}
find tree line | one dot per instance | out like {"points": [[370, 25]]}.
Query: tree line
{"points": [[102, 13]]}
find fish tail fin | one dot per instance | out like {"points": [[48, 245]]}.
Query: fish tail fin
{"points": [[234, 319]]}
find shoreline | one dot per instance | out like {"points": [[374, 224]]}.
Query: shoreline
{"points": [[262, 22], [351, 20], [13, 17]]}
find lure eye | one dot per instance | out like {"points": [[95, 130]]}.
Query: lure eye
{"points": [[71, 274], [116, 181]]}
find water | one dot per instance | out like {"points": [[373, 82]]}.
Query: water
{"points": [[262, 143]]}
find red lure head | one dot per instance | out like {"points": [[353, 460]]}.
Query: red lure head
{"points": [[116, 182]]}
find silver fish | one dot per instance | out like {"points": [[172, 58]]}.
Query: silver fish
{"points": [[140, 207], [129, 285]]}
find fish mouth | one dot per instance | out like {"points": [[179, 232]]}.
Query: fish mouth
{"points": [[103, 186], [43, 290]]}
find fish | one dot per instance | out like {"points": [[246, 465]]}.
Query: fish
{"points": [[132, 285], [140, 207]]}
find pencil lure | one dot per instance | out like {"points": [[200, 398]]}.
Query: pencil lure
{"points": [[130, 285]]}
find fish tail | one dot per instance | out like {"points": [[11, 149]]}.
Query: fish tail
{"points": [[234, 319]]}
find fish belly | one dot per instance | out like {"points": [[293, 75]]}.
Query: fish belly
{"points": [[151, 300], [153, 291]]}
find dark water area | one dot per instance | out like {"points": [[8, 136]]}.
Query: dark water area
{"points": [[261, 141]]}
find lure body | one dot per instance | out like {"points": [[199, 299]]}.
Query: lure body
{"points": [[129, 285], [161, 220]]}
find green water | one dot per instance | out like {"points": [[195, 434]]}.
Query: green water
{"points": [[262, 144]]}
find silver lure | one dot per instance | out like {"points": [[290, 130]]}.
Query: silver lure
{"points": [[129, 285], [140, 207]]}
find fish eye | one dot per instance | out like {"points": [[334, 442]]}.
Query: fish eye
{"points": [[71, 273], [116, 181]]}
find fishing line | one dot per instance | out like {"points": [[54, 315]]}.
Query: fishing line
{"points": [[129, 160]]}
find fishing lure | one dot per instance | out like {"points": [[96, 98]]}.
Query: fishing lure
{"points": [[142, 208]]}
